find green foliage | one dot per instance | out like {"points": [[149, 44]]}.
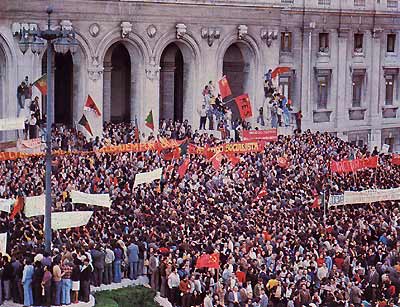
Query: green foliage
{"points": [[126, 297]]}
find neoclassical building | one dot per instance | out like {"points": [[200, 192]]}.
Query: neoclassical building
{"points": [[136, 56]]}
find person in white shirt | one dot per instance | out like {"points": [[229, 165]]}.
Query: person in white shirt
{"points": [[173, 285]]}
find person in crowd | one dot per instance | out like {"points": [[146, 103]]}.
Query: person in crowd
{"points": [[281, 251], [27, 276]]}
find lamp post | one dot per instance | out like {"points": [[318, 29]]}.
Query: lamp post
{"points": [[62, 41]]}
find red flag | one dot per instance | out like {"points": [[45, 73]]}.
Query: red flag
{"points": [[261, 194], [282, 162], [18, 206], [224, 87], [90, 105], [208, 261], [244, 106], [279, 70], [183, 168], [149, 120], [395, 159], [84, 122], [233, 159], [216, 160], [315, 204], [41, 84]]}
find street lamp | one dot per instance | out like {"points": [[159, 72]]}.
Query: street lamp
{"points": [[63, 41]]}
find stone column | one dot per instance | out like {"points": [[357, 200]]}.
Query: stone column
{"points": [[95, 90], [342, 78], [107, 91], [307, 77], [151, 97], [374, 78]]}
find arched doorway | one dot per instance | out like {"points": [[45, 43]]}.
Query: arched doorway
{"points": [[120, 84], [233, 69], [63, 87], [117, 84], [171, 83], [238, 62]]}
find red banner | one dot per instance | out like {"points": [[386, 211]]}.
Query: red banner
{"points": [[216, 160], [244, 106], [228, 148], [348, 166], [208, 261], [395, 159], [279, 70], [224, 88], [270, 135]]}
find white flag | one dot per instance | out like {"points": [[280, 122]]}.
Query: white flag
{"points": [[3, 243], [148, 177], [17, 123], [63, 220], [5, 204], [102, 200], [35, 205]]}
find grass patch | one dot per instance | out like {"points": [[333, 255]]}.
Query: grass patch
{"points": [[126, 297]]}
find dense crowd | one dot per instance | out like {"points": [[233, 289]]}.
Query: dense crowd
{"points": [[274, 249]]}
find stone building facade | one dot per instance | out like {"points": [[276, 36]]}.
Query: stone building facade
{"points": [[136, 56]]}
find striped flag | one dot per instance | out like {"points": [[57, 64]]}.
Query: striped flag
{"points": [[41, 84]]}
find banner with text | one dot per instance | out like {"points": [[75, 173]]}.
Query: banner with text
{"points": [[371, 196], [148, 177], [102, 200], [348, 166], [270, 135], [228, 148]]}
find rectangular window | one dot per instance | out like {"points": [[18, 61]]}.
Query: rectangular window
{"points": [[323, 85], [358, 42], [359, 2], [324, 2], [286, 41], [391, 42], [392, 4], [324, 42], [285, 86], [389, 89], [357, 90]]}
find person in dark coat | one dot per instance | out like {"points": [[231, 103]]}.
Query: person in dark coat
{"points": [[37, 283], [98, 259], [86, 274]]}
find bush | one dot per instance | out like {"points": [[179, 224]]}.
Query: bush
{"points": [[126, 297]]}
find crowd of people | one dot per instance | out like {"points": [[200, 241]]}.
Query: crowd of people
{"points": [[275, 249]]}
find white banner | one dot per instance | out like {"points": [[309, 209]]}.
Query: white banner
{"points": [[102, 200], [17, 123], [3, 243], [148, 177], [5, 204], [63, 220], [336, 200], [370, 196], [35, 205]]}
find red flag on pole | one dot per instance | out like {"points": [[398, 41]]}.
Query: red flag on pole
{"points": [[183, 168], [244, 106], [216, 160], [208, 261], [149, 120], [90, 105], [84, 122], [224, 87], [18, 206], [279, 70]]}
